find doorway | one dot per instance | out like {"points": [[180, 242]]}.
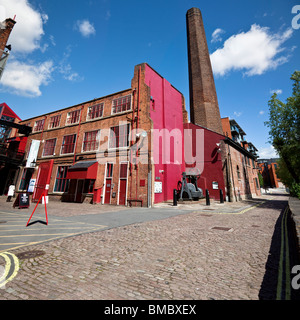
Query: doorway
{"points": [[108, 183], [123, 183]]}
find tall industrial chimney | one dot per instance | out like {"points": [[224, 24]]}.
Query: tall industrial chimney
{"points": [[5, 30], [204, 108]]}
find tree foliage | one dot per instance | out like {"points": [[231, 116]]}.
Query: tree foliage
{"points": [[284, 132]]}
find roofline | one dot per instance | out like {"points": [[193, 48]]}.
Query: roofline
{"points": [[160, 76], [6, 106], [240, 148], [76, 105]]}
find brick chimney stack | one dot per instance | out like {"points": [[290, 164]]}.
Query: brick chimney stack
{"points": [[4, 33], [204, 108]]}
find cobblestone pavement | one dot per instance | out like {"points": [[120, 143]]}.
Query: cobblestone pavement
{"points": [[200, 255]]}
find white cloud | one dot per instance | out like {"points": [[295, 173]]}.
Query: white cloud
{"points": [[261, 112], [277, 91], [65, 67], [25, 79], [28, 30], [85, 28], [254, 52], [237, 114], [267, 153], [216, 35]]}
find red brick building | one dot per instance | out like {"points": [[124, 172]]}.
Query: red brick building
{"points": [[267, 168], [134, 145], [240, 162], [109, 149]]}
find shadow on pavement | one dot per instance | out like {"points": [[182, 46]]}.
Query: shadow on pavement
{"points": [[269, 286]]}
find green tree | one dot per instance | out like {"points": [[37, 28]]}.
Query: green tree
{"points": [[284, 133]]}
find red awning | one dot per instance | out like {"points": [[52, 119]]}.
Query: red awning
{"points": [[83, 170]]}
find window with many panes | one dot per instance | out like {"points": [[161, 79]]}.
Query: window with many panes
{"points": [[61, 181], [39, 125], [91, 141], [95, 111], [68, 144], [54, 121], [49, 147], [73, 117], [119, 136], [121, 104]]}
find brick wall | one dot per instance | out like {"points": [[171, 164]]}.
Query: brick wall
{"points": [[204, 108], [4, 33], [240, 174]]}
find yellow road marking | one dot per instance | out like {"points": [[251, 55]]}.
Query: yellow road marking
{"points": [[11, 270], [239, 212], [31, 235]]}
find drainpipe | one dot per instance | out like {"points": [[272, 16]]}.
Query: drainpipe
{"points": [[137, 127], [132, 123], [81, 111]]}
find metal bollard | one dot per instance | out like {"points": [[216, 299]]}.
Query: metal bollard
{"points": [[221, 196], [207, 197], [174, 197]]}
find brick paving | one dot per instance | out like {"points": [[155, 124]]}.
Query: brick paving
{"points": [[181, 257]]}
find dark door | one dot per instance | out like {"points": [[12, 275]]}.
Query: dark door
{"points": [[108, 183], [79, 191], [107, 190], [123, 184]]}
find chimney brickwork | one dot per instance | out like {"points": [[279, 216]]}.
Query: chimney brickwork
{"points": [[204, 108], [4, 33]]}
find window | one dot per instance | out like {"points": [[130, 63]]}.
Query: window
{"points": [[95, 112], [109, 172], [54, 122], [68, 144], [238, 172], [88, 186], [91, 141], [61, 183], [73, 117], [49, 147], [39, 125], [121, 104], [123, 170], [119, 136]]}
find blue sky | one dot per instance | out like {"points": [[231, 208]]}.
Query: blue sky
{"points": [[67, 52]]}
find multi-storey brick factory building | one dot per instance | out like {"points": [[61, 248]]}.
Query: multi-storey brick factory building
{"points": [[133, 146], [103, 150]]}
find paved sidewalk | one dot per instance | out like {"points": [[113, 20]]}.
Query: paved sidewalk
{"points": [[198, 254]]}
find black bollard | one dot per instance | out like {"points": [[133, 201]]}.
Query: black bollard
{"points": [[221, 196], [207, 197], [174, 197]]}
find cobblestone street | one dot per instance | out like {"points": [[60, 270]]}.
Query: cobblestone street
{"points": [[198, 255]]}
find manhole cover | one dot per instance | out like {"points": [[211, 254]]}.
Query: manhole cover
{"points": [[221, 228], [3, 222], [30, 254]]}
